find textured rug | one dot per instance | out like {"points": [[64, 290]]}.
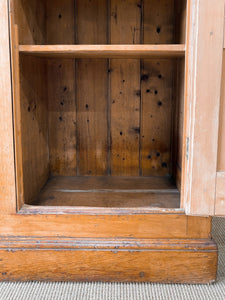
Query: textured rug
{"points": [[120, 291]]}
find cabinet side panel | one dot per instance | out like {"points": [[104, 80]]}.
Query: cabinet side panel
{"points": [[61, 90], [7, 173], [34, 126], [30, 17], [221, 145]]}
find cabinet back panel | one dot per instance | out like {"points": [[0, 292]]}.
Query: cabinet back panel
{"points": [[132, 21]]}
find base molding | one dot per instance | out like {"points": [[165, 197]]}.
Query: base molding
{"points": [[124, 260]]}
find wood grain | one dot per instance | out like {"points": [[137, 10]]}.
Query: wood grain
{"points": [[156, 117], [220, 194], [103, 51], [125, 91], [34, 115], [61, 90], [7, 173], [41, 222], [177, 261], [106, 192], [92, 81], [221, 142], [205, 51]]}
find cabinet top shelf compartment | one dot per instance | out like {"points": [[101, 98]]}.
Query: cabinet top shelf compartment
{"points": [[104, 51]]}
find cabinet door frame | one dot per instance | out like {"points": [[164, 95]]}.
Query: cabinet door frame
{"points": [[202, 105]]}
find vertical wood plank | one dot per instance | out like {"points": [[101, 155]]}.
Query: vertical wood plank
{"points": [[204, 52], [62, 117], [92, 80], [7, 172], [158, 22], [125, 90], [61, 90], [156, 116], [156, 91]]}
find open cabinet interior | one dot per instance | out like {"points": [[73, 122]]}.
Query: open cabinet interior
{"points": [[100, 128]]}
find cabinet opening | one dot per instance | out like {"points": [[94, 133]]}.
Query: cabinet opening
{"points": [[99, 132]]}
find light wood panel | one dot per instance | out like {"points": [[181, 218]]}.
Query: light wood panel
{"points": [[200, 147], [7, 173], [220, 194], [221, 142]]}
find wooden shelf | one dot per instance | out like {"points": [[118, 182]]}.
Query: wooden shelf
{"points": [[109, 192], [104, 51]]}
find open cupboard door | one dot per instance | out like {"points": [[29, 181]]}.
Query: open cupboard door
{"points": [[204, 133]]}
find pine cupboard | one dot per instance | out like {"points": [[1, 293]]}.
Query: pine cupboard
{"points": [[112, 139]]}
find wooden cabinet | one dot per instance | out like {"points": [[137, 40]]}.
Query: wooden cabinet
{"points": [[112, 139]]}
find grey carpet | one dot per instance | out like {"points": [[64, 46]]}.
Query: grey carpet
{"points": [[119, 291]]}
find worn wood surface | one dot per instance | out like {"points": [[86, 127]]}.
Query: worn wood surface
{"points": [[106, 192], [7, 173], [204, 50], [220, 194], [177, 261], [44, 222], [61, 91]]}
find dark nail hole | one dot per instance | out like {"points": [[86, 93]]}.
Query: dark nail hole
{"points": [[120, 93], [88, 121], [164, 165], [61, 103], [151, 116], [160, 76], [156, 92], [123, 158], [139, 5], [60, 16], [153, 140], [149, 157], [113, 101], [144, 77], [60, 66], [109, 70], [147, 91], [123, 80], [28, 108], [159, 103], [158, 154], [86, 105], [65, 88], [121, 133], [158, 29], [60, 118]]}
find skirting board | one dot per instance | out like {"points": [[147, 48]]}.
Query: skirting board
{"points": [[116, 260]]}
